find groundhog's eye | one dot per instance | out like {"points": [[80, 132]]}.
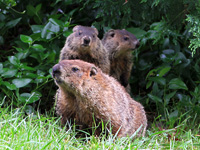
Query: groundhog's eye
{"points": [[93, 36], [74, 69], [112, 34], [126, 38]]}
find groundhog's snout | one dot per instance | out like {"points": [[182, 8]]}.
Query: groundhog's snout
{"points": [[56, 71], [137, 44], [86, 41]]}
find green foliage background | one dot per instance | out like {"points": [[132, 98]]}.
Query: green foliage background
{"points": [[166, 73]]}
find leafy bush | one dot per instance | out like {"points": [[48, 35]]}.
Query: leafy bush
{"points": [[167, 78], [195, 29], [25, 75]]}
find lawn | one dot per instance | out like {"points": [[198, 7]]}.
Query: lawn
{"points": [[19, 130]]}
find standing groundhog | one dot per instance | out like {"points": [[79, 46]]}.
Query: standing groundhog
{"points": [[84, 44], [120, 44], [92, 95]]}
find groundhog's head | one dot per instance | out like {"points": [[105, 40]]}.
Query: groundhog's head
{"points": [[73, 75], [119, 42], [83, 38]]}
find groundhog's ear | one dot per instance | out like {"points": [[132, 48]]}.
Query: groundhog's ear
{"points": [[76, 28], [111, 33], [111, 30], [93, 71], [96, 31]]}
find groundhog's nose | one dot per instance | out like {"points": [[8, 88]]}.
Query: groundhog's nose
{"points": [[86, 41], [137, 44], [56, 70]]}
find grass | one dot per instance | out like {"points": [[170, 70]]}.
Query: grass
{"points": [[35, 131]]}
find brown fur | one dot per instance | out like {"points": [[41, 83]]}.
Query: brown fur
{"points": [[88, 93], [120, 44], [92, 52]]}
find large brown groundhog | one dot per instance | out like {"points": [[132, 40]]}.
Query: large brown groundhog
{"points": [[92, 95], [120, 44], [84, 44]]}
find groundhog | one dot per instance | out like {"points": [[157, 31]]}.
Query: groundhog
{"points": [[120, 44], [92, 95], [84, 44]]}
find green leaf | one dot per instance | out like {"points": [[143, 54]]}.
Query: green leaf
{"points": [[30, 10], [21, 82], [181, 61], [31, 75], [36, 37], [56, 22], [143, 64], [29, 110], [9, 86], [46, 33], [8, 73], [168, 56], [54, 28], [149, 83], [164, 71], [143, 1], [25, 67], [184, 98], [2, 24], [67, 24], [26, 39], [167, 97], [177, 84], [1, 68], [155, 98], [168, 51], [50, 71], [137, 32], [37, 28], [67, 32], [159, 80], [29, 98], [174, 114], [51, 57], [38, 7], [152, 73], [38, 47], [37, 57], [1, 40], [20, 56], [50, 29], [2, 17], [18, 49], [13, 60], [13, 23]]}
